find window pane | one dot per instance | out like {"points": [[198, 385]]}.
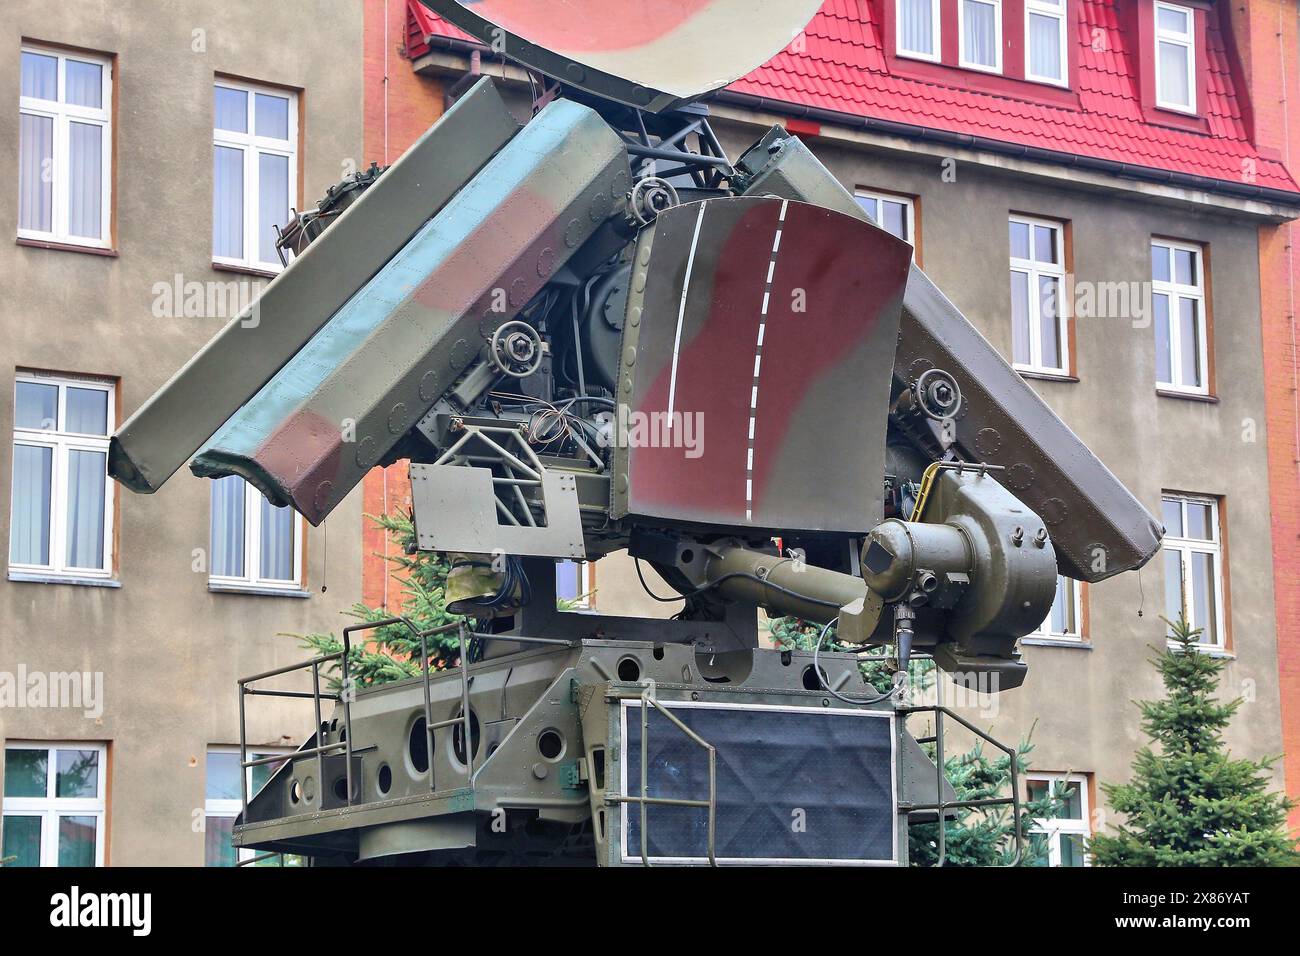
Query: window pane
{"points": [[1175, 21], [1164, 354], [36, 173], [1173, 74], [277, 542], [273, 204], [1020, 318], [29, 532], [22, 839], [1160, 263], [228, 527], [261, 774], [1204, 606], [871, 207], [217, 849], [77, 773], [87, 411], [1044, 243], [223, 776], [1045, 46], [568, 580], [228, 202], [1072, 805], [231, 109], [87, 471], [1048, 305], [979, 23], [26, 772], [1198, 521], [1037, 791], [1189, 342], [36, 406], [1171, 513], [1071, 849], [1061, 618], [1173, 585], [894, 218], [272, 116], [84, 84], [86, 179], [916, 26], [1020, 240], [77, 841], [1185, 266], [40, 79]]}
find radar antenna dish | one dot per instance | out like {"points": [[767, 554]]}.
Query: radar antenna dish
{"points": [[650, 54]]}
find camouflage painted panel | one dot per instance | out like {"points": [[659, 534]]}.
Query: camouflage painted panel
{"points": [[758, 349]]}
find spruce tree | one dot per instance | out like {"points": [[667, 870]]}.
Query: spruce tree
{"points": [[1193, 804]]}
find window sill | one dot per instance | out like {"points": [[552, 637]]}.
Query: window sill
{"points": [[244, 270], [258, 590], [1080, 644], [35, 577], [1209, 650], [66, 247], [1046, 376], [1188, 396]]}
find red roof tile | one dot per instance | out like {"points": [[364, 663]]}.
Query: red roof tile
{"points": [[839, 66]]}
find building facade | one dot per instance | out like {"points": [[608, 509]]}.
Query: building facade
{"points": [[156, 147], [1093, 184]]}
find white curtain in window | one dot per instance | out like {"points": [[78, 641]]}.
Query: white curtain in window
{"points": [[277, 542], [86, 181], [29, 533], [916, 26], [1173, 74], [273, 202], [228, 202], [83, 84], [86, 477], [979, 26], [1045, 46], [40, 76], [35, 173], [228, 527]]}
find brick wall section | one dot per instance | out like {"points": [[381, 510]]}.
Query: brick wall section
{"points": [[399, 106], [1266, 33]]}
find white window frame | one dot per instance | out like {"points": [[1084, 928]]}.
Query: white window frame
{"points": [[997, 36], [1054, 828], [936, 35], [1186, 547], [251, 578], [1059, 12], [904, 201], [1034, 270], [1187, 40], [231, 808], [1175, 290], [50, 808], [252, 145], [63, 115], [1074, 594], [62, 444]]}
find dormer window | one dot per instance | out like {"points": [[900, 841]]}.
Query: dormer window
{"points": [[1045, 53], [918, 29], [1175, 58], [980, 35]]}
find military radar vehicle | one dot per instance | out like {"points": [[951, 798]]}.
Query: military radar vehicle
{"points": [[592, 332]]}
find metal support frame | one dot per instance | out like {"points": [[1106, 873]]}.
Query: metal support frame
{"points": [[345, 697], [645, 696], [942, 805]]}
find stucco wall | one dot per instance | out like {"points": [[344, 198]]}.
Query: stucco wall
{"points": [[170, 651]]}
